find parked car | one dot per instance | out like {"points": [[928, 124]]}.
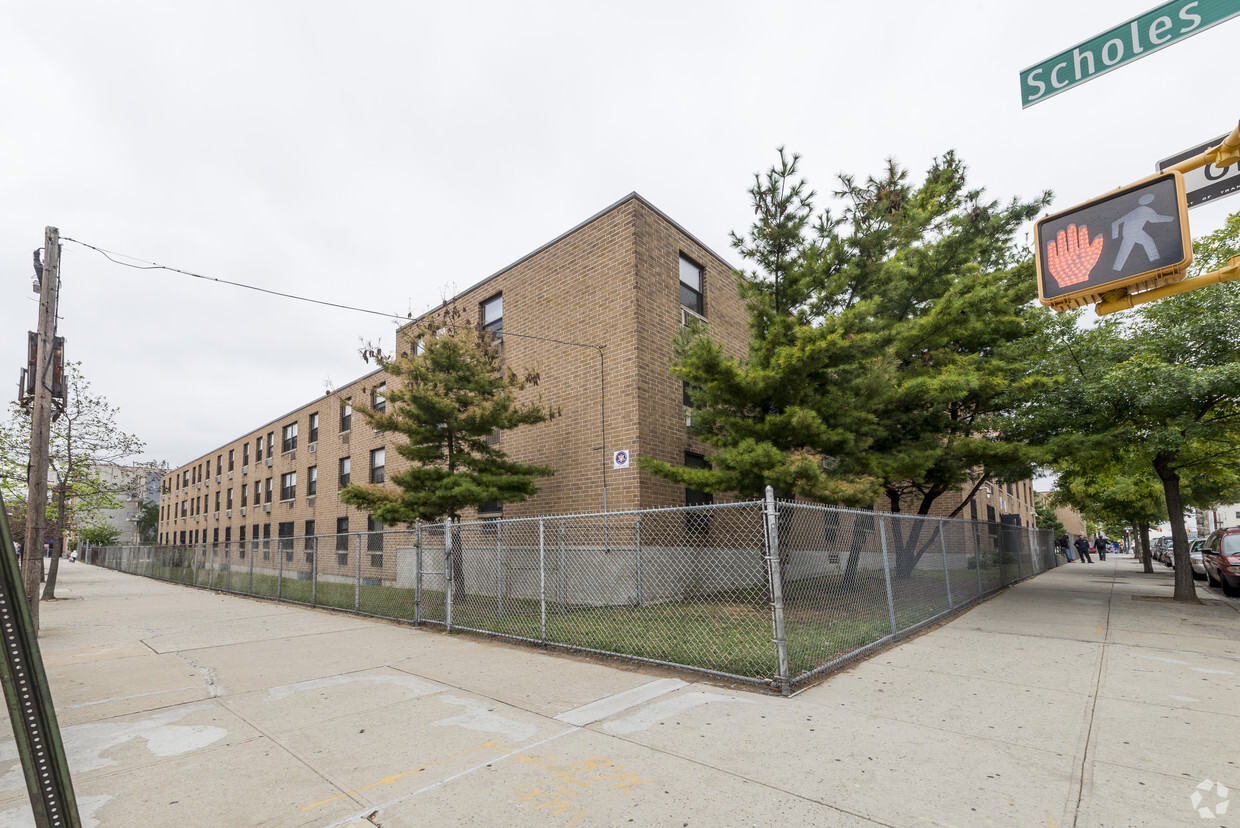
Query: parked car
{"points": [[1196, 559], [1162, 550], [1221, 557]]}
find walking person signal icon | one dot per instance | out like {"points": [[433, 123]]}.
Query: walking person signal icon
{"points": [[1139, 240]]}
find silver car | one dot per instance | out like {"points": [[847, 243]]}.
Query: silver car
{"points": [[1194, 557]]}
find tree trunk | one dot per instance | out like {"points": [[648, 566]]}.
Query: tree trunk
{"points": [[863, 529], [1143, 538], [49, 589], [1185, 589]]}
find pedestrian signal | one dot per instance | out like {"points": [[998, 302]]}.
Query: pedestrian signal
{"points": [[1135, 238]]}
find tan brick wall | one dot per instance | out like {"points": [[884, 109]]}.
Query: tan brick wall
{"points": [[614, 282]]}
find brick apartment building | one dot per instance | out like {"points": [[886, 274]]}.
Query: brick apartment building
{"points": [[620, 284]]}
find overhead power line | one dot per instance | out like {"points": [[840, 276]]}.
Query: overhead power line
{"points": [[111, 255]]}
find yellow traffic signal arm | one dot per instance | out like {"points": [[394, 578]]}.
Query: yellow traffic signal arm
{"points": [[1224, 155], [1118, 300]]}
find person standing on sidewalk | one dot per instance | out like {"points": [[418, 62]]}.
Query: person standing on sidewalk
{"points": [[1101, 544], [1082, 548]]}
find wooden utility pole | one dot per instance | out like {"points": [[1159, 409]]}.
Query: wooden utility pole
{"points": [[41, 424]]}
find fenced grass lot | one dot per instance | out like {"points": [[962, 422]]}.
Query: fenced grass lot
{"points": [[770, 592]]}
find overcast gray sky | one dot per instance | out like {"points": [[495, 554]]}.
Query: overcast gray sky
{"points": [[390, 154]]}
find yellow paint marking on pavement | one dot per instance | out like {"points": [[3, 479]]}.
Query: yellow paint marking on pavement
{"points": [[1099, 629], [396, 777]]}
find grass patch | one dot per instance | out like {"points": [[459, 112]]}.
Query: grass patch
{"points": [[729, 632]]}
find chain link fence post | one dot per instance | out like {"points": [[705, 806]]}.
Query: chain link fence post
{"points": [[448, 573], [891, 604], [357, 576], [417, 572], [777, 590], [499, 568], [542, 577], [947, 575]]}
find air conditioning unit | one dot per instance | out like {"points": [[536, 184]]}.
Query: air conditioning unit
{"points": [[292, 455], [228, 513], [289, 503], [195, 518], [314, 447], [266, 507], [217, 478], [230, 474], [344, 438], [268, 462], [310, 502], [245, 470], [687, 315], [242, 511], [216, 516]]}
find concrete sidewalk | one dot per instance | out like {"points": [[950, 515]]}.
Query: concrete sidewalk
{"points": [[1081, 697]]}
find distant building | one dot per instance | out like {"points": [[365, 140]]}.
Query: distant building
{"points": [[132, 486], [1220, 517]]}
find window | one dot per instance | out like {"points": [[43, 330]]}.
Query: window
{"points": [[312, 481], [311, 541], [217, 501], [266, 541], [342, 536], [697, 522], [491, 507], [376, 465], [493, 316], [184, 508], [346, 414], [374, 537], [232, 456], [227, 535], [269, 487], [258, 450], [245, 455], [285, 533], [344, 472], [288, 486], [245, 494], [219, 464], [288, 437], [378, 398], [271, 444], [229, 501], [241, 536], [314, 427], [691, 286]]}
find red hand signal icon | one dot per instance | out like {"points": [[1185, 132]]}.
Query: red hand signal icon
{"points": [[1071, 257]]}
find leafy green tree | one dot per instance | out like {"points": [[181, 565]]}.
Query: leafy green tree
{"points": [[1047, 519], [447, 400], [148, 521], [1112, 486], [84, 436], [100, 534], [1161, 383]]}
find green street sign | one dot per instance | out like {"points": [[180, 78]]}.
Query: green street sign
{"points": [[1157, 28]]}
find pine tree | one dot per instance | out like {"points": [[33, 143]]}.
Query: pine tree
{"points": [[447, 399]]}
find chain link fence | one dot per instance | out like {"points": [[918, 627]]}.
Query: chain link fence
{"points": [[770, 592]]}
